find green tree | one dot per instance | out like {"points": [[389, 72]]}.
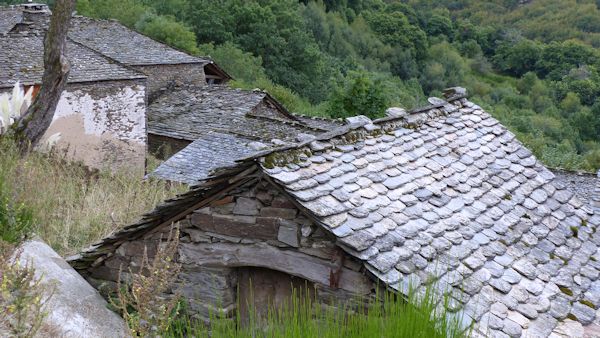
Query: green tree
{"points": [[169, 31], [558, 58], [272, 29], [518, 58], [359, 95]]}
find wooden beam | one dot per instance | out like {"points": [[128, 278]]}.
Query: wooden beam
{"points": [[262, 255]]}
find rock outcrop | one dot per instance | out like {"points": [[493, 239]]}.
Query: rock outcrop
{"points": [[75, 308]]}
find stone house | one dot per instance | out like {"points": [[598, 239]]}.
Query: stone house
{"points": [[443, 193], [101, 115], [211, 126], [111, 50], [162, 64]]}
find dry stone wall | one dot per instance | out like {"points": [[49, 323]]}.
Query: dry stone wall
{"points": [[254, 226]]}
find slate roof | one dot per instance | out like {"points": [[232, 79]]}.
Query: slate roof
{"points": [[126, 45], [22, 60], [445, 193], [581, 183], [9, 17], [460, 200], [211, 151], [110, 38], [223, 123], [189, 112]]}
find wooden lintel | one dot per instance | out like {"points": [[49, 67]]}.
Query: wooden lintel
{"points": [[262, 255]]}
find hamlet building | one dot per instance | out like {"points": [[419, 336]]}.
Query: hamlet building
{"points": [[101, 115], [116, 71], [212, 126], [444, 193]]}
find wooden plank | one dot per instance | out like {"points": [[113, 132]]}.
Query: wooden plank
{"points": [[265, 256]]}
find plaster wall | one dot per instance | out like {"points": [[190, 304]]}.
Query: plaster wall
{"points": [[103, 125]]}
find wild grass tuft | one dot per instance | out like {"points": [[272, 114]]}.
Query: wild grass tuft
{"points": [[70, 206], [388, 315]]}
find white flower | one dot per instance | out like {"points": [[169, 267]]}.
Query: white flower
{"points": [[13, 106]]}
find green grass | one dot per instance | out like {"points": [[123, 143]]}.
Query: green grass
{"points": [[302, 317]]}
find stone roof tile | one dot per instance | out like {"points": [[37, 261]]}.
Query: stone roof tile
{"points": [[125, 45], [22, 60], [223, 123], [468, 183]]}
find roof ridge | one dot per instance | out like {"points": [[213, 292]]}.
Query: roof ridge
{"points": [[200, 59], [414, 119], [322, 118]]}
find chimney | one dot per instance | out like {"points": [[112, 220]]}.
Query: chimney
{"points": [[34, 13]]}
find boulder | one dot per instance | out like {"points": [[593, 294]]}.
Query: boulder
{"points": [[75, 308]]}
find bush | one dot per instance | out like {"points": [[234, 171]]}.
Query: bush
{"points": [[142, 300], [22, 296]]}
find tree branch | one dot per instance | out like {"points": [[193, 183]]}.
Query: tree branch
{"points": [[30, 128]]}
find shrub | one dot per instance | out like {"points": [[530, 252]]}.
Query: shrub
{"points": [[22, 296], [142, 300]]}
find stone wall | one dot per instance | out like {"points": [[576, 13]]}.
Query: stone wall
{"points": [[250, 231], [103, 124], [162, 76]]}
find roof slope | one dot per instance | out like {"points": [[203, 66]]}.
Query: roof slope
{"points": [[445, 193], [9, 17], [224, 124], [126, 45], [211, 151], [459, 200], [22, 60], [190, 112], [581, 183]]}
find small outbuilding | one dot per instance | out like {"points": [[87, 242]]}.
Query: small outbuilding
{"points": [[441, 194]]}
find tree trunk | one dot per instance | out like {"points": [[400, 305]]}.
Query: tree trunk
{"points": [[30, 128]]}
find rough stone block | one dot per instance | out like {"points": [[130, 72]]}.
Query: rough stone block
{"points": [[289, 234], [246, 206], [203, 221], [283, 213]]}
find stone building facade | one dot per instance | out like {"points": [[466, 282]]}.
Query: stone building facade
{"points": [[254, 241], [101, 115]]}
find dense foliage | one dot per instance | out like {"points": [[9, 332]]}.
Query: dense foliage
{"points": [[534, 64]]}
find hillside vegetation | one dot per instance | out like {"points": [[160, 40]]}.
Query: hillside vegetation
{"points": [[532, 64]]}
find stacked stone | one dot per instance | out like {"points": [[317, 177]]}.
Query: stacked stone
{"points": [[253, 216]]}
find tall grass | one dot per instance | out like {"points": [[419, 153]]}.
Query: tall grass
{"points": [[72, 206], [386, 316]]}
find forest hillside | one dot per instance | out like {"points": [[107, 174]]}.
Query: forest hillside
{"points": [[533, 64]]}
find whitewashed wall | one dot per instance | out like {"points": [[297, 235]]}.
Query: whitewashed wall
{"points": [[103, 124]]}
